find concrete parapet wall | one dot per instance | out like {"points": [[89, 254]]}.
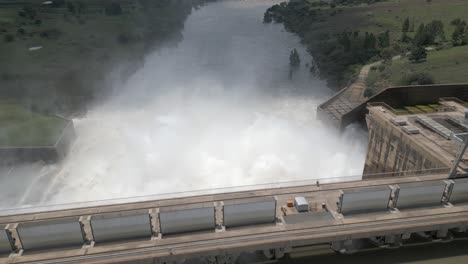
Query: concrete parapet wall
{"points": [[404, 95], [51, 153], [389, 150]]}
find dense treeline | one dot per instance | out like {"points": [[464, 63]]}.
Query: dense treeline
{"points": [[335, 53], [340, 55]]}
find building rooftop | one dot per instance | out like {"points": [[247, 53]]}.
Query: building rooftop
{"points": [[438, 128]]}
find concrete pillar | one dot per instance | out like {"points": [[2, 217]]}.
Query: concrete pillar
{"points": [[442, 233], [276, 253], [88, 236], [393, 240]]}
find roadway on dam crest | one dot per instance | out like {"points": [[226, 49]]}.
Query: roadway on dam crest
{"points": [[248, 238]]}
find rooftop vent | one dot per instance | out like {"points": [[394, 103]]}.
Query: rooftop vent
{"points": [[434, 126], [412, 130], [399, 121]]}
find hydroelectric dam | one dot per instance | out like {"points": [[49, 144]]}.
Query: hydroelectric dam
{"points": [[413, 191], [388, 212]]}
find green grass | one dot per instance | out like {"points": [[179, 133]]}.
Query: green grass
{"points": [[71, 69], [445, 66], [390, 15], [20, 127]]}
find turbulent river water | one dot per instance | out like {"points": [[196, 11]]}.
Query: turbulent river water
{"points": [[219, 109]]}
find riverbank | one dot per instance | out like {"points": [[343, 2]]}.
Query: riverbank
{"points": [[344, 38]]}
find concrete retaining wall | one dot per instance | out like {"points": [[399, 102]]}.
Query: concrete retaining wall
{"points": [[48, 154]]}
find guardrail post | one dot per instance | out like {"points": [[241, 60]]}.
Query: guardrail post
{"points": [[219, 216], [86, 230], [155, 223], [14, 238]]}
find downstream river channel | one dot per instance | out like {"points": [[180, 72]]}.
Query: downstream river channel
{"points": [[219, 109]]}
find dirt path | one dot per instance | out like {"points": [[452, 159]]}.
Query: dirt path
{"points": [[355, 92], [348, 98]]}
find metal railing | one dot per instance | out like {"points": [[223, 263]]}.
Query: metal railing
{"points": [[445, 100], [214, 191], [398, 174], [445, 108]]}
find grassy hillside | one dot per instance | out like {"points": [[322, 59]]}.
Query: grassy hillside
{"points": [[56, 58], [339, 58], [445, 66]]}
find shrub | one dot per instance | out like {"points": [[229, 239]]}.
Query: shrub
{"points": [[9, 38], [29, 12], [58, 3], [368, 92], [113, 9], [418, 53], [417, 78], [51, 33], [127, 38]]}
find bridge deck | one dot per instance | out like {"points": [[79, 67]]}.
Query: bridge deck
{"points": [[265, 236]]}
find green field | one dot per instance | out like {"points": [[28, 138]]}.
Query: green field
{"points": [[23, 128], [445, 66], [389, 15], [57, 59], [77, 50]]}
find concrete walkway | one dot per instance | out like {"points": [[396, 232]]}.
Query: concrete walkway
{"points": [[348, 98]]}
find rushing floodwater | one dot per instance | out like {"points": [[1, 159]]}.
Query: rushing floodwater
{"points": [[217, 110]]}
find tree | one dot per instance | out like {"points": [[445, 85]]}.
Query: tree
{"points": [[113, 9], [267, 17], [384, 39], [434, 30], [456, 22], [71, 7], [369, 41], [426, 34], [420, 36], [386, 54], [411, 28], [405, 38], [406, 25], [344, 40], [29, 12], [294, 60], [58, 3], [418, 53], [459, 36], [9, 38], [369, 92], [81, 7]]}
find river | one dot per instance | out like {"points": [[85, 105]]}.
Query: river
{"points": [[218, 109]]}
